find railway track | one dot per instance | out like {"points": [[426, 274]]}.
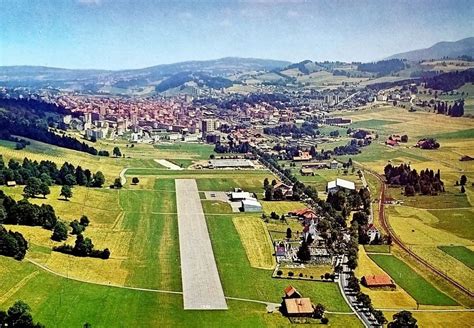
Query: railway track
{"points": [[389, 230]]}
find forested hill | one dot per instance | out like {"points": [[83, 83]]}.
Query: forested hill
{"points": [[33, 119]]}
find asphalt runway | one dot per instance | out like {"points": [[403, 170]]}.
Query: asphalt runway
{"points": [[202, 289]]}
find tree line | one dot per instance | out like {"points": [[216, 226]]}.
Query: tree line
{"points": [[12, 244], [454, 110], [83, 247], [46, 172], [18, 316]]}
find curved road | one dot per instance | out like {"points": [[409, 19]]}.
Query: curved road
{"points": [[388, 229]]}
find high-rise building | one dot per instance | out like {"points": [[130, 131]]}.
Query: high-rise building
{"points": [[208, 125]]}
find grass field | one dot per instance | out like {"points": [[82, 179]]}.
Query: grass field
{"points": [[382, 298], [377, 248], [256, 241], [460, 253], [417, 286], [281, 207], [440, 319]]}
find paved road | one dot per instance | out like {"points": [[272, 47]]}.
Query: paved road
{"points": [[202, 289], [366, 318]]}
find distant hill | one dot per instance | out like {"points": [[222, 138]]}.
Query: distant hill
{"points": [[464, 47], [213, 72], [306, 67]]}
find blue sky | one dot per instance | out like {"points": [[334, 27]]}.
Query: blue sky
{"points": [[116, 34]]}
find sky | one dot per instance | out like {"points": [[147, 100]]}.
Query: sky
{"points": [[120, 34]]}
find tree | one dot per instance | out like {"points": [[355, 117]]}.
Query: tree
{"points": [[324, 321], [135, 180], [303, 252], [318, 311], [118, 183], [77, 228], [83, 246], [98, 179], [265, 183], [84, 221], [32, 188], [288, 233], [379, 317], [463, 180], [463, 190], [70, 180], [117, 152], [66, 192], [403, 319], [59, 232], [19, 316], [44, 189]]}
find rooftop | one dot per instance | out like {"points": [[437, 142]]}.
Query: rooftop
{"points": [[298, 306]]}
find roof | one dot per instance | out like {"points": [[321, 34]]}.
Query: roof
{"points": [[231, 163], [240, 195], [341, 183], [11, 183], [251, 202], [298, 306], [378, 280], [281, 185], [289, 290]]}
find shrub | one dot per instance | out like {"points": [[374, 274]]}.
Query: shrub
{"points": [[324, 321], [279, 273], [290, 274]]}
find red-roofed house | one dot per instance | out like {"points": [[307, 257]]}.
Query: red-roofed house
{"points": [[381, 280], [291, 292]]}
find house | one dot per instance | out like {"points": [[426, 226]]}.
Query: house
{"points": [[377, 281], [291, 292], [251, 205], [392, 143], [298, 307], [302, 156], [306, 172], [338, 184], [305, 214], [373, 232], [11, 183], [286, 190], [333, 165]]}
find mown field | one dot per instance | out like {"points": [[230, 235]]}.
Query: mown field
{"points": [[417, 286], [460, 253]]}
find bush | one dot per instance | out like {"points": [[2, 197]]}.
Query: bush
{"points": [[279, 273], [290, 274], [324, 321], [301, 275]]}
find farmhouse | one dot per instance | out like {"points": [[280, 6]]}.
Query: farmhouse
{"points": [[231, 164], [340, 184], [377, 281], [390, 142], [11, 183], [286, 190], [306, 172], [298, 307], [373, 232], [304, 214], [291, 292]]}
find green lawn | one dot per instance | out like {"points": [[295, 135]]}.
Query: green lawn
{"points": [[186, 150], [377, 248], [460, 253], [216, 207], [417, 286]]}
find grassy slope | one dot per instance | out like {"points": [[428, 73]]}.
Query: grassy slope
{"points": [[460, 253]]}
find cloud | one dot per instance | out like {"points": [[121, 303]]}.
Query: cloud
{"points": [[293, 13]]}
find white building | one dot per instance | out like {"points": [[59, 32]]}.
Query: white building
{"points": [[338, 184], [251, 205]]}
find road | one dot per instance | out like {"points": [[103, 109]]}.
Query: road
{"points": [[365, 317], [396, 240]]}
